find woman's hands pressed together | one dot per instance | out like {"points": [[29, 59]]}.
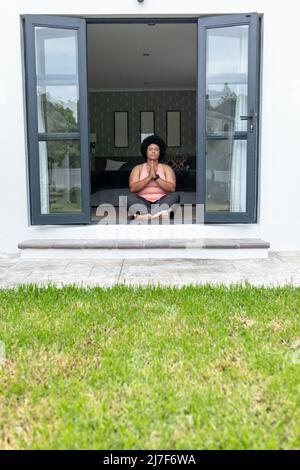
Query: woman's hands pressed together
{"points": [[152, 169]]}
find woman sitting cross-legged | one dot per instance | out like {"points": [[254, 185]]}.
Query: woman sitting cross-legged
{"points": [[152, 184]]}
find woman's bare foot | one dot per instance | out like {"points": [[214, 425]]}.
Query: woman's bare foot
{"points": [[142, 216], [161, 215]]}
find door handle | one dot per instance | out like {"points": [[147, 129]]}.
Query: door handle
{"points": [[248, 118], [245, 118]]}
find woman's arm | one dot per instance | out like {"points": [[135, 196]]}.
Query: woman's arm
{"points": [[168, 184], [135, 184]]}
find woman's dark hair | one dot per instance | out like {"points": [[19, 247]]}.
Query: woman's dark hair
{"points": [[153, 139]]}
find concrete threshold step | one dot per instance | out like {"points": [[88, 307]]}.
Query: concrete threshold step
{"points": [[147, 248], [220, 243]]}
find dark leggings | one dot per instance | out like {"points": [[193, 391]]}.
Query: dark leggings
{"points": [[137, 204]]}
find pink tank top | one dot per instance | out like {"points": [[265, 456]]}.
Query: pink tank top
{"points": [[152, 192]]}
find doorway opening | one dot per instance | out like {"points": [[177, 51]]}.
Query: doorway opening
{"points": [[142, 80]]}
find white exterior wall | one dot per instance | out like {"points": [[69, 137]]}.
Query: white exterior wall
{"points": [[279, 161]]}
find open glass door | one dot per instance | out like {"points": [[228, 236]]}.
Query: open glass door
{"points": [[57, 119], [228, 51]]}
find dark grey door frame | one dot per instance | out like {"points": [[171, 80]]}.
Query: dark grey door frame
{"points": [[31, 21], [251, 19], [79, 23]]}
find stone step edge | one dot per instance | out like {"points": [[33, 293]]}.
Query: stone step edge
{"points": [[216, 243]]}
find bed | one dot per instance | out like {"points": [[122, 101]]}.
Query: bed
{"points": [[107, 184]]}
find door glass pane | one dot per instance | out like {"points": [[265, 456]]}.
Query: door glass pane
{"points": [[227, 53], [60, 176], [56, 51], [57, 79], [226, 170], [58, 109], [226, 102], [56, 55]]}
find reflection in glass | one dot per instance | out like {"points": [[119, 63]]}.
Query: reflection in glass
{"points": [[56, 51], [57, 108], [224, 106], [226, 163], [60, 176], [226, 102]]}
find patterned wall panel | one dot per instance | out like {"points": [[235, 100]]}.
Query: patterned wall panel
{"points": [[101, 114]]}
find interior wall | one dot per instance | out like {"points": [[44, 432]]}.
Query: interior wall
{"points": [[101, 116]]}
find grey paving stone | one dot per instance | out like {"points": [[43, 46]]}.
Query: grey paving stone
{"points": [[287, 254], [38, 265], [9, 256], [77, 269], [178, 281], [178, 277], [177, 262], [7, 263], [279, 269], [259, 267], [20, 267], [9, 285], [169, 267], [267, 281], [273, 263], [286, 278], [51, 268], [80, 263], [66, 278], [106, 271], [169, 273], [12, 280], [3, 270], [108, 263], [4, 278], [292, 265]]}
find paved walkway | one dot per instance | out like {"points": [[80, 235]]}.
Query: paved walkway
{"points": [[280, 268]]}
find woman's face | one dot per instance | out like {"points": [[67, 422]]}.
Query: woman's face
{"points": [[153, 152]]}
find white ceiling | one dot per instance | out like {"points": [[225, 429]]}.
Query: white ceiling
{"points": [[116, 61]]}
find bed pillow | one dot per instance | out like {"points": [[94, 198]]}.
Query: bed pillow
{"points": [[128, 166], [113, 165]]}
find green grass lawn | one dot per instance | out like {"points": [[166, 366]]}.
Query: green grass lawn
{"points": [[150, 368]]}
